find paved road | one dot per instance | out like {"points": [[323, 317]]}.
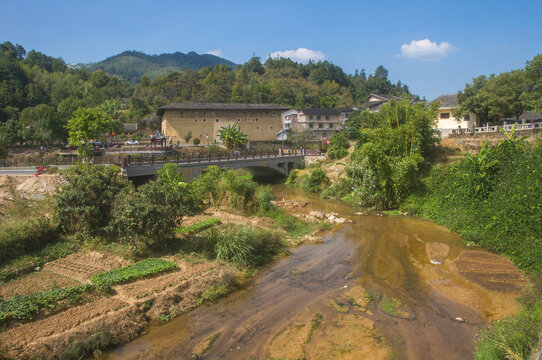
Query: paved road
{"points": [[28, 170]]}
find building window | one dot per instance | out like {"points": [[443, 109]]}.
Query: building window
{"points": [[204, 120], [196, 120], [271, 127], [327, 117], [320, 126], [238, 119], [331, 126], [444, 115], [310, 117], [216, 120], [310, 125], [317, 117]]}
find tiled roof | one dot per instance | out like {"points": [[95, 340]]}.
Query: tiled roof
{"points": [[221, 106], [447, 101], [319, 111]]}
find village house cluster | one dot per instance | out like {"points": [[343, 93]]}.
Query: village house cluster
{"points": [[270, 122]]}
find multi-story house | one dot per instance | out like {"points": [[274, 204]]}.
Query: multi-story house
{"points": [[322, 122]]}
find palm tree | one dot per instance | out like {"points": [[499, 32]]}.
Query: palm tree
{"points": [[232, 137]]}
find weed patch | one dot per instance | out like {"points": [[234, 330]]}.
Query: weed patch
{"points": [[198, 227], [390, 306], [214, 293]]}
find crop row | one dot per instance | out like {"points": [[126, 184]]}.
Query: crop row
{"points": [[198, 227], [24, 306], [135, 271]]}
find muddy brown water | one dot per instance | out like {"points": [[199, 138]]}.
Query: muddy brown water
{"points": [[376, 252]]}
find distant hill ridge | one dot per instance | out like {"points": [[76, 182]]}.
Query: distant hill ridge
{"points": [[133, 65]]}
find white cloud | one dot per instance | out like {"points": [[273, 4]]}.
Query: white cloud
{"points": [[426, 50], [215, 52], [301, 55]]}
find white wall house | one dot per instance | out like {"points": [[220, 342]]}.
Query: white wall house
{"points": [[446, 120]]}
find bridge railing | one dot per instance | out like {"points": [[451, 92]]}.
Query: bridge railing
{"points": [[187, 158], [50, 159]]}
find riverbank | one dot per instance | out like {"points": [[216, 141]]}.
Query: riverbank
{"points": [[490, 196], [368, 290]]}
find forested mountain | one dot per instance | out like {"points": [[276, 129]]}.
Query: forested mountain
{"points": [[39, 93], [133, 65]]}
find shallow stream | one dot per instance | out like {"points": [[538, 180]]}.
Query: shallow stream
{"points": [[331, 300]]}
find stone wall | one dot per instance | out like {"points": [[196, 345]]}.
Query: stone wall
{"points": [[258, 125]]}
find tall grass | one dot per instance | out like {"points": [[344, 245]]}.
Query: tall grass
{"points": [[243, 245], [21, 237]]}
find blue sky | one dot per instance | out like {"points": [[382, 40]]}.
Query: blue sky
{"points": [[464, 38]]}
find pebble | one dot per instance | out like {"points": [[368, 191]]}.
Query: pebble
{"points": [[37, 268], [459, 319], [436, 262]]}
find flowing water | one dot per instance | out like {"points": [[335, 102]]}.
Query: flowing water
{"points": [[384, 255]]}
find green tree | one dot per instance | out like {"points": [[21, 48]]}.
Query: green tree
{"points": [[338, 146], [358, 120], [532, 96], [232, 137], [501, 95], [471, 101], [254, 65], [87, 125], [154, 209], [6, 141], [85, 203], [41, 124], [300, 137]]}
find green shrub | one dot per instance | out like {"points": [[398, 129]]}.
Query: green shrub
{"points": [[293, 177], [132, 272], [20, 238], [198, 227], [214, 292], [317, 181], [263, 194], [152, 210], [338, 190], [243, 245], [239, 193], [86, 202], [23, 307]]}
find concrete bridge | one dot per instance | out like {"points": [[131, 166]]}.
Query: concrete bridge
{"points": [[259, 164]]}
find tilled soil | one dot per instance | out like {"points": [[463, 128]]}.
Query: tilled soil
{"points": [[82, 266], [121, 316], [35, 282]]}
